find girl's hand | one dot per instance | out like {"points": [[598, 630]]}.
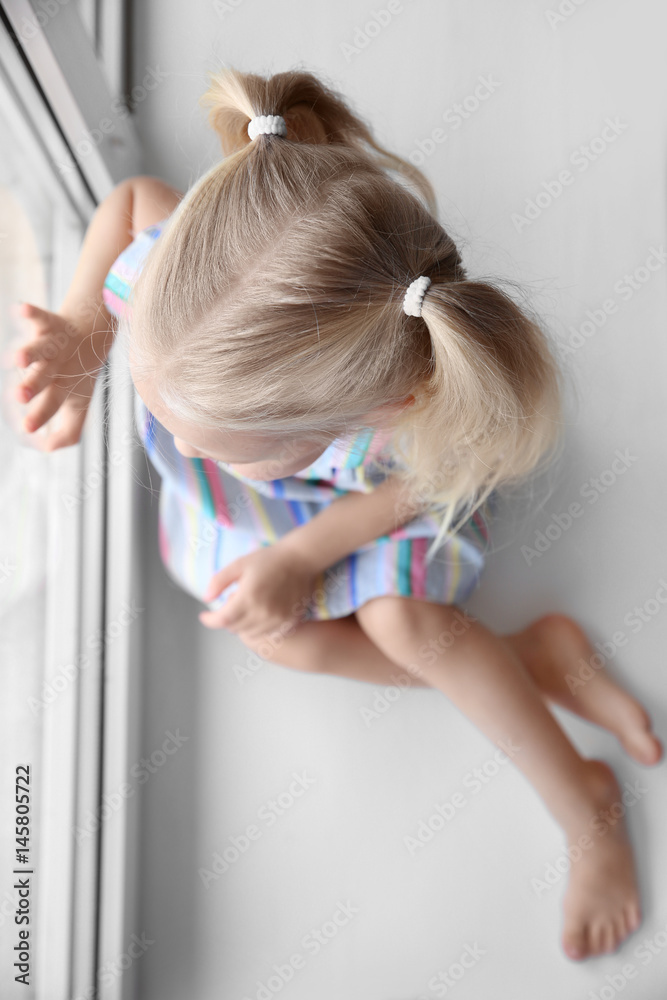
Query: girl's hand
{"points": [[274, 589], [62, 361]]}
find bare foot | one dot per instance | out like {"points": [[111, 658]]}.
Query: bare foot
{"points": [[557, 654], [601, 904]]}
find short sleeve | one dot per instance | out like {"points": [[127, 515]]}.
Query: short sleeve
{"points": [[126, 269], [350, 452]]}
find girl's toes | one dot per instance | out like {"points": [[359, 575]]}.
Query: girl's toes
{"points": [[636, 733], [643, 745], [595, 938], [621, 928], [575, 943], [633, 916], [608, 937], [652, 748]]}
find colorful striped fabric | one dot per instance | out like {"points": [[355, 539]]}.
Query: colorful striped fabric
{"points": [[210, 515]]}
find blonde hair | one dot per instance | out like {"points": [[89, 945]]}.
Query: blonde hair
{"points": [[272, 303]]}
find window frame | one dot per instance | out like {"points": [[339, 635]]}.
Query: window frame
{"points": [[56, 91]]}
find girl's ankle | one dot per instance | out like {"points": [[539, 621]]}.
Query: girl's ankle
{"points": [[601, 791]]}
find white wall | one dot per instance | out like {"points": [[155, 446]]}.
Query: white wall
{"points": [[555, 87]]}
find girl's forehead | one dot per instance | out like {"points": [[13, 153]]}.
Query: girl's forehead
{"points": [[189, 431], [245, 446]]}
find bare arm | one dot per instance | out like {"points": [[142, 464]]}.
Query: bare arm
{"points": [[68, 348], [350, 522], [133, 205]]}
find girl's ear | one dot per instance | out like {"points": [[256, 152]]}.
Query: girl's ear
{"points": [[381, 413]]}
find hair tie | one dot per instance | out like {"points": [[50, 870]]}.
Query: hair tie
{"points": [[412, 303], [267, 125]]}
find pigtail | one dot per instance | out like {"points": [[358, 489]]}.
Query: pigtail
{"points": [[489, 412], [314, 113]]}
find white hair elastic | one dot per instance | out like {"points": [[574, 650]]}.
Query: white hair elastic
{"points": [[267, 125], [412, 303]]}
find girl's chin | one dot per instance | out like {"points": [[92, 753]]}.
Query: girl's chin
{"points": [[265, 478], [261, 475]]}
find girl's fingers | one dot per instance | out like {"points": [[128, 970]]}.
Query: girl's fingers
{"points": [[27, 354], [42, 409], [252, 627], [224, 617], [26, 310], [222, 579], [35, 380], [23, 393], [69, 433], [213, 619], [40, 352], [256, 633], [233, 621]]}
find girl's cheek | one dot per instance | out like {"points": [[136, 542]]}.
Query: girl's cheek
{"points": [[253, 472]]}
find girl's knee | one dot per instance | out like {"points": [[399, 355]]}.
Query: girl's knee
{"points": [[381, 612], [405, 623], [296, 647]]}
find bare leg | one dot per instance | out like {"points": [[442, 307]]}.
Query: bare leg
{"points": [[570, 672], [338, 646], [551, 649], [601, 906], [483, 676]]}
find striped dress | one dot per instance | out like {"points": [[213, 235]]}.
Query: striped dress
{"points": [[210, 515]]}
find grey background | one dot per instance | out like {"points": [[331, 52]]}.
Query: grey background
{"points": [[556, 84]]}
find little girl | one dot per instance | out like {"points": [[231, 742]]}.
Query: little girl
{"points": [[332, 406]]}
